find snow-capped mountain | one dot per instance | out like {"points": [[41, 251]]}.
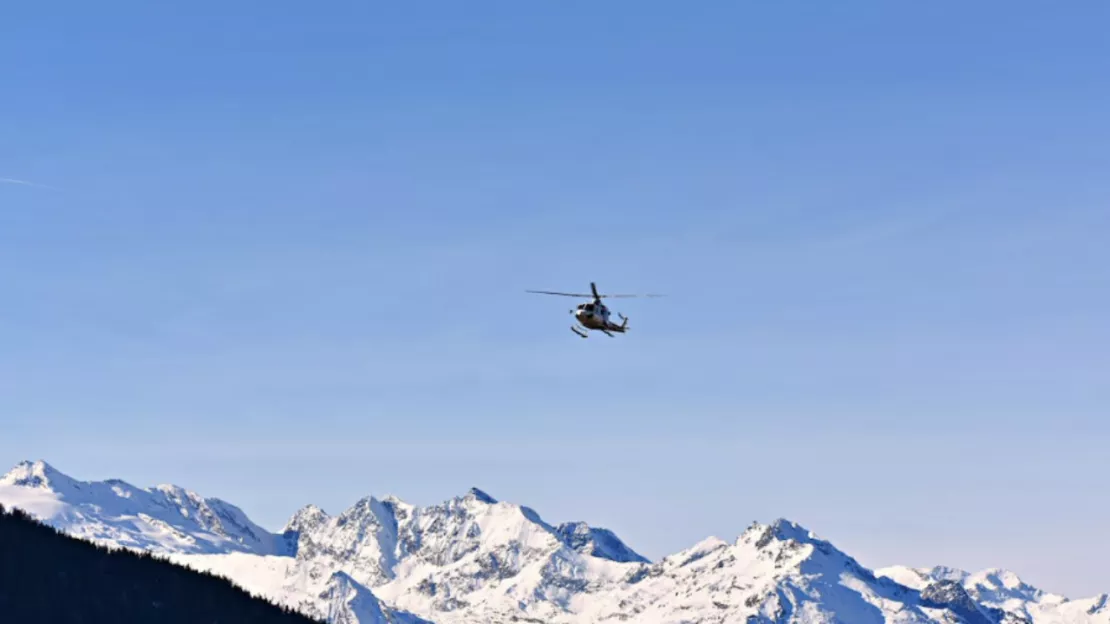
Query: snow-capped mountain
{"points": [[476, 559], [597, 542], [470, 557], [1004, 591], [164, 519]]}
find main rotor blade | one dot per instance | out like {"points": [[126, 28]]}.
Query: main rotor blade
{"points": [[586, 296], [563, 294]]}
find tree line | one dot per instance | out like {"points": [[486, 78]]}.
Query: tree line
{"points": [[48, 576]]}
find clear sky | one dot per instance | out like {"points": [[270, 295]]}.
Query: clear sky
{"points": [[276, 252]]}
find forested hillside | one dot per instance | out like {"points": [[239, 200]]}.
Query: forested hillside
{"points": [[46, 576]]}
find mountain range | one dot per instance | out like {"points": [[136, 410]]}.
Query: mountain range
{"points": [[476, 559]]}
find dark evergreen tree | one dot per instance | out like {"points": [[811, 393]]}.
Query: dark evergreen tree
{"points": [[47, 576]]}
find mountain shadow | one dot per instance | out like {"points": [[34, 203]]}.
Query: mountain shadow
{"points": [[47, 576]]}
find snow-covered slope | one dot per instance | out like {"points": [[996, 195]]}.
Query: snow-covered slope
{"points": [[597, 542], [163, 519], [1005, 591], [470, 557], [476, 559]]}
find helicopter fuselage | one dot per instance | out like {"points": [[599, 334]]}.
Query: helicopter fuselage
{"points": [[596, 316]]}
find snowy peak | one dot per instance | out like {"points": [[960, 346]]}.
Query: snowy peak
{"points": [[211, 514], [446, 556], [777, 572], [920, 578], [945, 573], [476, 495], [597, 542], [1100, 605], [36, 474], [952, 596], [786, 530], [306, 518], [165, 519], [348, 602], [998, 578], [363, 536], [997, 586], [783, 572], [781, 530], [993, 587], [368, 511], [784, 541], [702, 550]]}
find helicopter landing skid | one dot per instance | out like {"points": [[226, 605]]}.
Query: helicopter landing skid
{"points": [[578, 331]]}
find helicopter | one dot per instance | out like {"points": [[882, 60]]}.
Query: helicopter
{"points": [[593, 315]]}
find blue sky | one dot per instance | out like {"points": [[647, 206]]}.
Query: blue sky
{"points": [[277, 254]]}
